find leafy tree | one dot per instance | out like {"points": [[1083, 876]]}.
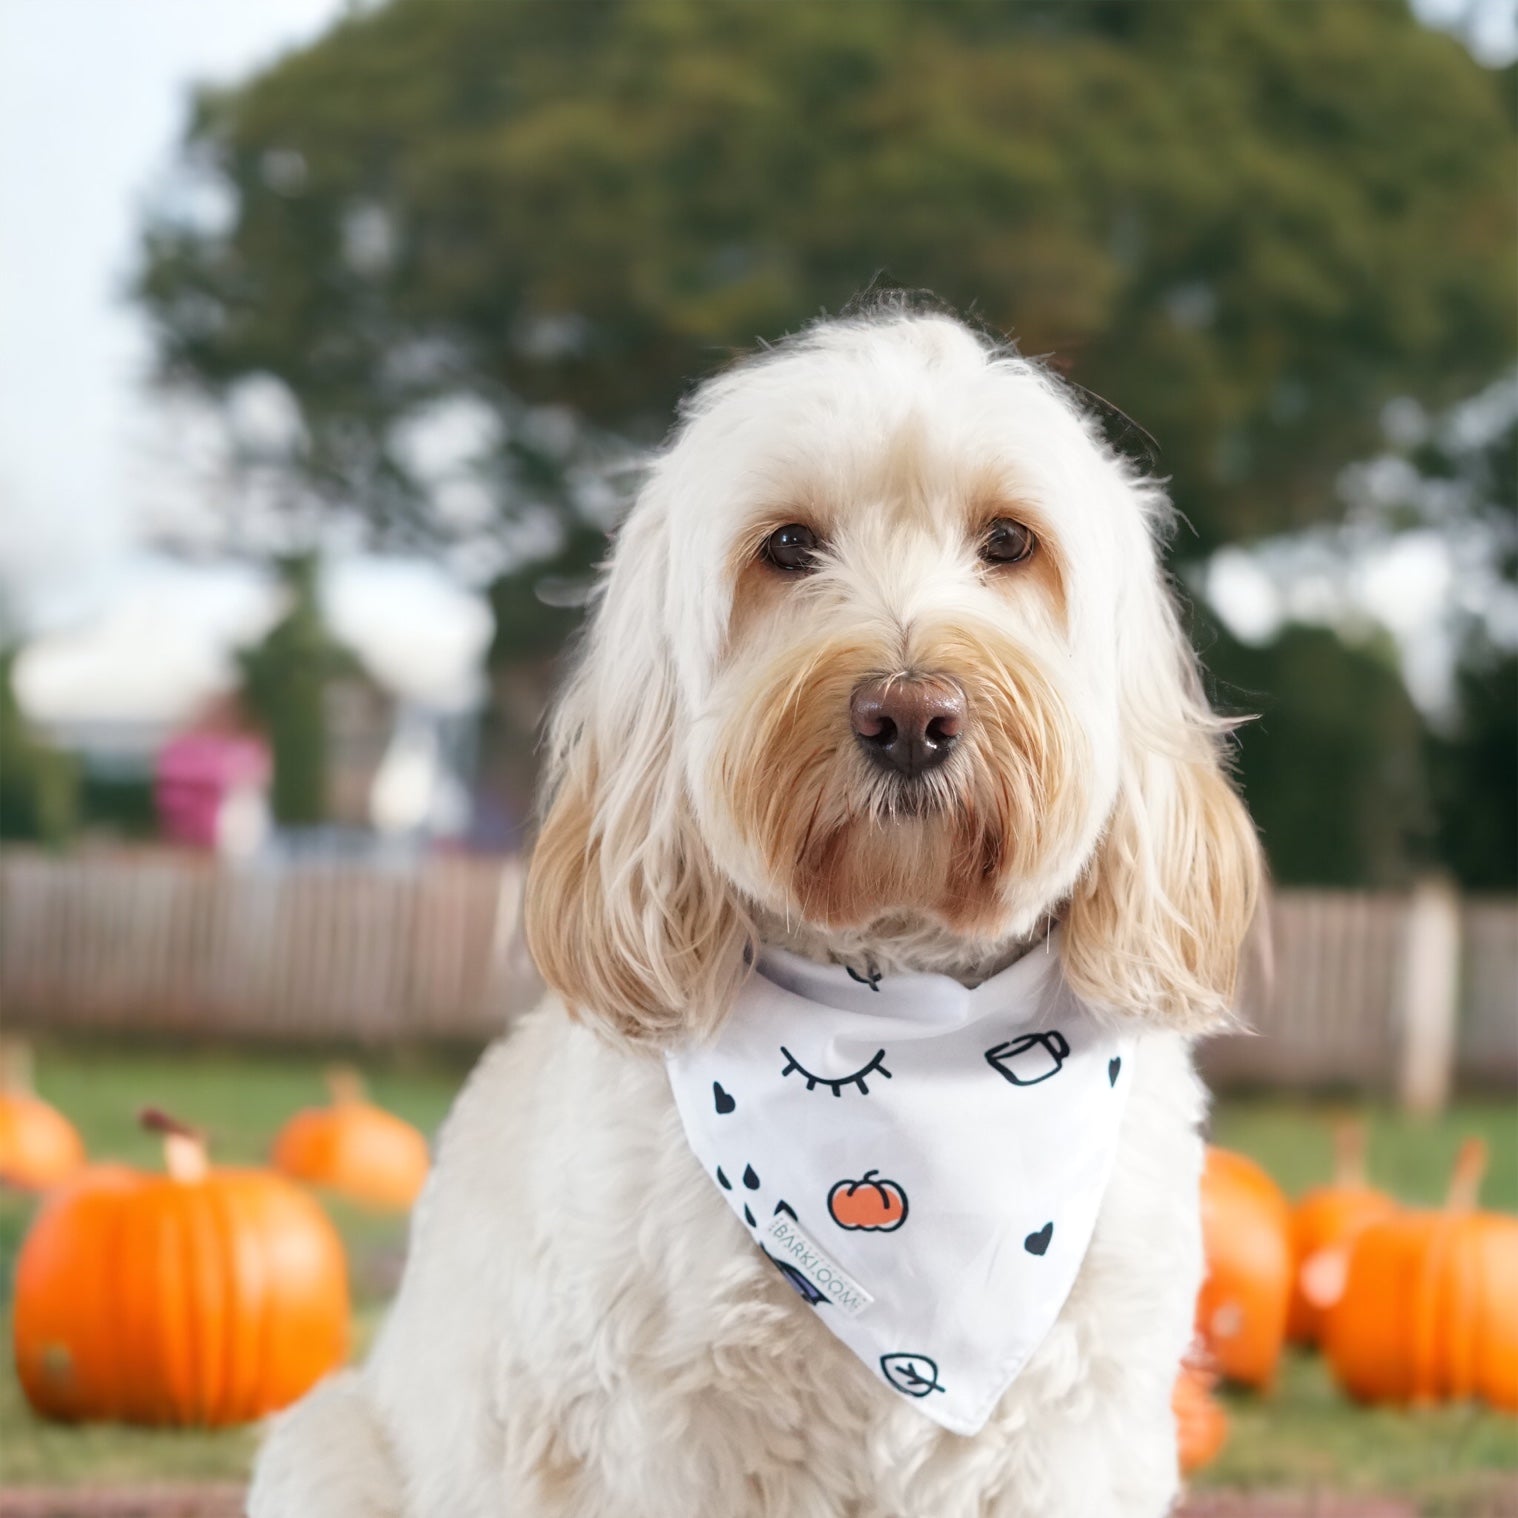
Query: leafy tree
{"points": [[284, 684], [1247, 224], [1475, 775], [39, 786], [1332, 764]]}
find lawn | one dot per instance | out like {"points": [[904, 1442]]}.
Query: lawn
{"points": [[1302, 1437]]}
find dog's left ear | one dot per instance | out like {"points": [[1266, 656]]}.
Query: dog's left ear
{"points": [[627, 917], [1157, 924]]}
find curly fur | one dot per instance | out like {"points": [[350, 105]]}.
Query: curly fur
{"points": [[583, 1328]]}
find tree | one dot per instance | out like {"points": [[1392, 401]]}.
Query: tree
{"points": [[1475, 775], [1248, 225], [39, 786], [284, 684], [1332, 763]]}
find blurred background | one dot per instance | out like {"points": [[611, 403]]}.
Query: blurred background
{"points": [[332, 335]]}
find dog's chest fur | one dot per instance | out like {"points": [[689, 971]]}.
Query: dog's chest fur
{"points": [[601, 1338]]}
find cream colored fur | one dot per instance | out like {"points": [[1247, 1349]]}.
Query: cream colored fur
{"points": [[583, 1328]]}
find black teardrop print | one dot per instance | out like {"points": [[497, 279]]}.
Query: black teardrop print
{"points": [[750, 1179], [748, 1218], [721, 1100], [723, 1181], [1113, 1066], [1037, 1243]]}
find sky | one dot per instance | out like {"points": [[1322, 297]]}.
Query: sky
{"points": [[93, 98]]}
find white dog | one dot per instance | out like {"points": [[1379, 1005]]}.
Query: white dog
{"points": [[885, 675]]}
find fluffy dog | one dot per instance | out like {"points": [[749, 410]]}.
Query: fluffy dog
{"points": [[884, 671]]}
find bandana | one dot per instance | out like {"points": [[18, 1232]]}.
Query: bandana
{"points": [[922, 1162]]}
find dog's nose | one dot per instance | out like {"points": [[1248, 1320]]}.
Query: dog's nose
{"points": [[907, 725]]}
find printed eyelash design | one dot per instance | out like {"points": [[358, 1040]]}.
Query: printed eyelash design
{"points": [[876, 1065]]}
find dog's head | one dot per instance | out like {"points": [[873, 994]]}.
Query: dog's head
{"points": [[885, 642]]}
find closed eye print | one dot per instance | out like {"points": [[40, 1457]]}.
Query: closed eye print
{"points": [[875, 1067]]}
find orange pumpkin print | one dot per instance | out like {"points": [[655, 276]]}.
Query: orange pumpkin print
{"points": [[874, 1205]]}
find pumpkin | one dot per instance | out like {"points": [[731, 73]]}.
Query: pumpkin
{"points": [[1429, 1310], [1246, 1230], [1201, 1425], [39, 1147], [1323, 1225], [201, 1296], [356, 1148], [870, 1204]]}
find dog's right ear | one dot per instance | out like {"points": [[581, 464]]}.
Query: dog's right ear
{"points": [[627, 918]]}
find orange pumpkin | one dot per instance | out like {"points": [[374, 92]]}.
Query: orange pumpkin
{"points": [[1201, 1425], [1246, 1229], [204, 1296], [1430, 1304], [39, 1147], [874, 1205], [354, 1147], [1324, 1224]]}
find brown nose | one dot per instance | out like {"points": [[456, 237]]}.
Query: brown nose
{"points": [[907, 725]]}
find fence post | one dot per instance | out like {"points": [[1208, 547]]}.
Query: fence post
{"points": [[1430, 996]]}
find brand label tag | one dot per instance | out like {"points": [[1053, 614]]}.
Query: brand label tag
{"points": [[791, 1246]]}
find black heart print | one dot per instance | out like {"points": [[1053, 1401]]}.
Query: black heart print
{"points": [[1037, 1243], [723, 1102], [1113, 1066]]}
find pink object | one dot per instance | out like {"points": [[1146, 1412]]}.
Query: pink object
{"points": [[197, 773]]}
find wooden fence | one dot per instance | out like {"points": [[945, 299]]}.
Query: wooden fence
{"points": [[171, 942], [1397, 994], [1380, 993]]}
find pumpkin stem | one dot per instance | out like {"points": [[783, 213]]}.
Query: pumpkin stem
{"points": [[1465, 1179], [344, 1085], [184, 1147], [1349, 1152], [15, 1067]]}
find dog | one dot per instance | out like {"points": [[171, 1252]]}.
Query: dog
{"points": [[884, 673]]}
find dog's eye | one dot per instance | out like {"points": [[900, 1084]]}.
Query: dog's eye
{"points": [[792, 547], [1007, 542]]}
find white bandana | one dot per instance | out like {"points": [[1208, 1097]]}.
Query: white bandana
{"points": [[923, 1163]]}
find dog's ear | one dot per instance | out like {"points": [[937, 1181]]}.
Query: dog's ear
{"points": [[1157, 924], [627, 918]]}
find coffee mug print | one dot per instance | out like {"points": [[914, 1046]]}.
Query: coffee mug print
{"points": [[1032, 1058]]}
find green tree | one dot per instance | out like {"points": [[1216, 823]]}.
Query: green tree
{"points": [[1247, 224], [284, 684], [39, 786], [1332, 765], [1474, 775]]}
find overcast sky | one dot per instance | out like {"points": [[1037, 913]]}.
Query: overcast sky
{"points": [[93, 96]]}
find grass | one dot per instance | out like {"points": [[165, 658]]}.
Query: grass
{"points": [[1409, 1157], [1304, 1436]]}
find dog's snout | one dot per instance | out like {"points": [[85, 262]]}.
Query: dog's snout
{"points": [[907, 725]]}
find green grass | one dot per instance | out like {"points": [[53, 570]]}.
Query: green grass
{"points": [[1409, 1157], [1303, 1437]]}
